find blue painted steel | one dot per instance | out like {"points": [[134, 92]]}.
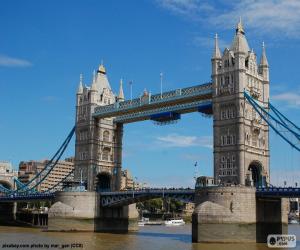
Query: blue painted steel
{"points": [[27, 197], [59, 153], [207, 108], [178, 108], [279, 114], [153, 100], [254, 103], [166, 116], [278, 192]]}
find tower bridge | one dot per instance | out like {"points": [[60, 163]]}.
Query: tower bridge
{"points": [[237, 99]]}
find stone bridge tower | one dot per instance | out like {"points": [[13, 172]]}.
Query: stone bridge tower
{"points": [[241, 138], [98, 147]]}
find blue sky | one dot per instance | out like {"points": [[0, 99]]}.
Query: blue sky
{"points": [[45, 45]]}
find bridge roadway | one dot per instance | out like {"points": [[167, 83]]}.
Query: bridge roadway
{"points": [[186, 100], [122, 198]]}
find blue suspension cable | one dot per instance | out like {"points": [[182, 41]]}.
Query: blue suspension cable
{"points": [[277, 111], [52, 167], [52, 159], [253, 103], [270, 124]]}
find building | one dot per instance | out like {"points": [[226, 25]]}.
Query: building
{"points": [[239, 134], [29, 169], [204, 181], [7, 174], [188, 208], [98, 146], [126, 180]]}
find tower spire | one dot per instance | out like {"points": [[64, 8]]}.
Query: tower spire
{"points": [[216, 53], [121, 97], [263, 59], [94, 86], [80, 87], [239, 27]]}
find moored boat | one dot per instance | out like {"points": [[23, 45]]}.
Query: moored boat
{"points": [[173, 222]]}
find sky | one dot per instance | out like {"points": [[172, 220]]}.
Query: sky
{"points": [[45, 45]]}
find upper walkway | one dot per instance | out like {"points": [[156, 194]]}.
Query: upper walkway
{"points": [[186, 100]]}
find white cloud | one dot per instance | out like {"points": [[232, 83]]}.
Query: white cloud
{"points": [[174, 140], [7, 61], [188, 8], [276, 18], [291, 98]]}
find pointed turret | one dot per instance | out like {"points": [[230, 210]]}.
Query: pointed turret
{"points": [[216, 53], [80, 87], [94, 86], [121, 97], [240, 43], [263, 59], [264, 65], [101, 80]]}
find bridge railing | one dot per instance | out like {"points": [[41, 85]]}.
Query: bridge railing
{"points": [[157, 98]]}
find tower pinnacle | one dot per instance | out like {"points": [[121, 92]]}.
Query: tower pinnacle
{"points": [[80, 87], [239, 27], [263, 59], [121, 97], [216, 53]]}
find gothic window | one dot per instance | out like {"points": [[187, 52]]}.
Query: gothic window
{"points": [[226, 80], [254, 140], [106, 136], [223, 115], [229, 140], [233, 157], [228, 163], [223, 140], [223, 159], [105, 154]]}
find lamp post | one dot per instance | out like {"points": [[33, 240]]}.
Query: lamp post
{"points": [[130, 84], [161, 80]]}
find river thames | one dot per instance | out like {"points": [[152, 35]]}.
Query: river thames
{"points": [[148, 238]]}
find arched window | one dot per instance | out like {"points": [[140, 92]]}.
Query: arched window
{"points": [[105, 154], [105, 135]]}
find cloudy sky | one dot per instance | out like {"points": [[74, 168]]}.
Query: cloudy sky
{"points": [[45, 45]]}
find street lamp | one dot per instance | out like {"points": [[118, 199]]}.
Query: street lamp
{"points": [[130, 84], [161, 80]]}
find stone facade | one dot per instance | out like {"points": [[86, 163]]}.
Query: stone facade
{"points": [[241, 137], [7, 174], [98, 150]]}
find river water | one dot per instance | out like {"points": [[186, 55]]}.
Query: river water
{"points": [[148, 238]]}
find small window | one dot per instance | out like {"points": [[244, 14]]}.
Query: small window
{"points": [[106, 136]]}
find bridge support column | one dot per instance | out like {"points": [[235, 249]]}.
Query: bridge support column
{"points": [[235, 214], [117, 219], [81, 211], [224, 214], [8, 213], [272, 217]]}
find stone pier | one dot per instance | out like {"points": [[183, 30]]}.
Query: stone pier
{"points": [[234, 214], [81, 211], [8, 213]]}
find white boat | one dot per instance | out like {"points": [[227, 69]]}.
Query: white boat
{"points": [[174, 222], [141, 223], [293, 221]]}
